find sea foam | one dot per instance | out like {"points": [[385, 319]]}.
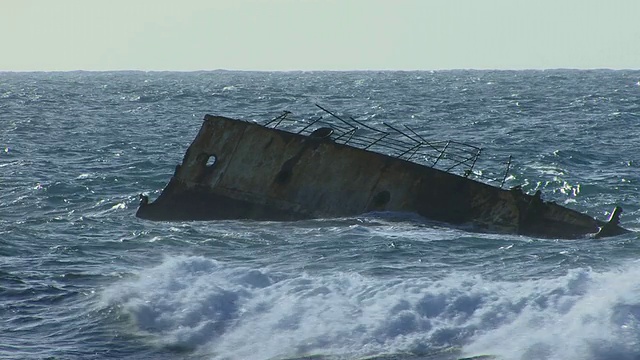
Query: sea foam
{"points": [[235, 312]]}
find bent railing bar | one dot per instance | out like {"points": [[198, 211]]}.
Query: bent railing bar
{"points": [[506, 172], [384, 142], [400, 132], [463, 149], [440, 142], [458, 164], [397, 146], [398, 142], [335, 116], [351, 136], [421, 138], [461, 146], [366, 126], [455, 158], [416, 146], [387, 142], [468, 149], [335, 125], [465, 145], [475, 159], [376, 141], [441, 154], [279, 117], [414, 153], [394, 143], [367, 141], [405, 148], [352, 131], [339, 130], [310, 124]]}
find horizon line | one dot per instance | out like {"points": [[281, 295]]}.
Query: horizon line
{"points": [[326, 70]]}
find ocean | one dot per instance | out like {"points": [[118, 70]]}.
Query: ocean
{"points": [[82, 278]]}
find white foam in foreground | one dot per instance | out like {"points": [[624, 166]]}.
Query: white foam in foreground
{"points": [[242, 313]]}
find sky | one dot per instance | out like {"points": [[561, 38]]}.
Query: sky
{"points": [[186, 35]]}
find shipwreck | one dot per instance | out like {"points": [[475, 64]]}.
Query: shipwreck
{"points": [[334, 166]]}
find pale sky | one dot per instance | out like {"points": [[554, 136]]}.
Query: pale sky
{"points": [[189, 35]]}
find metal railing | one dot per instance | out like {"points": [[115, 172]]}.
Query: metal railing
{"points": [[449, 155]]}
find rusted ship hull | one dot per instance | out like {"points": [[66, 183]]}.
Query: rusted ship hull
{"points": [[241, 170]]}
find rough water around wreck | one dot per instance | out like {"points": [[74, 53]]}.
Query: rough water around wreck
{"points": [[82, 278]]}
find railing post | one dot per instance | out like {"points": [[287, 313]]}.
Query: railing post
{"points": [[506, 172], [441, 153]]}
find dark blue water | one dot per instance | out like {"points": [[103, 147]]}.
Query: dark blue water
{"points": [[82, 278]]}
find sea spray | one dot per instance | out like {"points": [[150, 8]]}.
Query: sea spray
{"points": [[582, 315], [237, 312]]}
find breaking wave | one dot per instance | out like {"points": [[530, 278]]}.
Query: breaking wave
{"points": [[219, 310]]}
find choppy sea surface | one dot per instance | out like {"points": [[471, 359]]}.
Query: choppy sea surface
{"points": [[82, 278]]}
